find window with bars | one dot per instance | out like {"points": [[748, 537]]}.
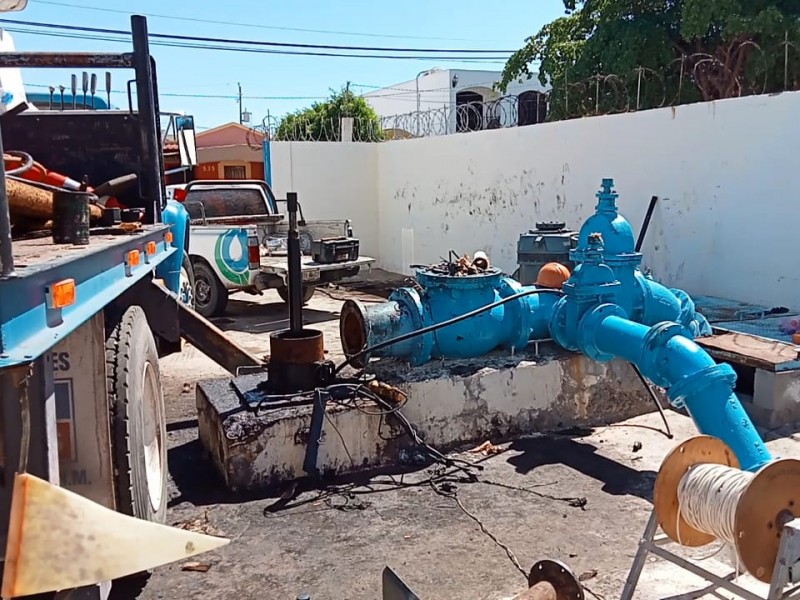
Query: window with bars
{"points": [[235, 172]]}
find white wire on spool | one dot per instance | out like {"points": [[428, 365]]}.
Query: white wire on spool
{"points": [[709, 495], [701, 496]]}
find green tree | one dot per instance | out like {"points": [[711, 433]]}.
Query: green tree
{"points": [[615, 55], [322, 120]]}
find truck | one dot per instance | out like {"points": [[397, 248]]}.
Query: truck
{"points": [[83, 323], [238, 243]]}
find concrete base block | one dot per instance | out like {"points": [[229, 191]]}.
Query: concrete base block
{"points": [[451, 404], [776, 398]]}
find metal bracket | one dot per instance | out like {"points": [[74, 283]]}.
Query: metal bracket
{"points": [[784, 585]]}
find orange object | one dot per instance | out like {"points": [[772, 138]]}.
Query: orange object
{"points": [[151, 248], [133, 258], [168, 237], [552, 275], [61, 294], [796, 338]]}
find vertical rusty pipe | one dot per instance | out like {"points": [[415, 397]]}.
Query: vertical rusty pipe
{"points": [[295, 275], [6, 250]]}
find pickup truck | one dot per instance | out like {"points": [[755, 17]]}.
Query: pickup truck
{"points": [[238, 243]]}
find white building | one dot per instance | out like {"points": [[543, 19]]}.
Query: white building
{"points": [[441, 101]]}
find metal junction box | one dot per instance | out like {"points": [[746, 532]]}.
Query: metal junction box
{"points": [[551, 241]]}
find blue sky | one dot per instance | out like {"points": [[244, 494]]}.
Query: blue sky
{"points": [[296, 80]]}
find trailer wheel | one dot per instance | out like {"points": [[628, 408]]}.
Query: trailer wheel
{"points": [[308, 293], [138, 419], [210, 296]]}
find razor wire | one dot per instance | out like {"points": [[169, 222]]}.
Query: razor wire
{"points": [[689, 78]]}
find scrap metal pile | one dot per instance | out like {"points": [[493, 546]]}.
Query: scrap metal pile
{"points": [[458, 266]]}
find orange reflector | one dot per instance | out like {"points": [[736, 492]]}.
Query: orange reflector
{"points": [[133, 257], [61, 294], [151, 248], [168, 237]]}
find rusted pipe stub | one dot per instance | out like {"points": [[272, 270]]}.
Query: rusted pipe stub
{"points": [[303, 349]]}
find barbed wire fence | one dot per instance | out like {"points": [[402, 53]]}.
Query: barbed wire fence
{"points": [[692, 78]]}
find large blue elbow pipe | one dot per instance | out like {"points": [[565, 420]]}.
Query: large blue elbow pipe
{"points": [[441, 298], [673, 361]]}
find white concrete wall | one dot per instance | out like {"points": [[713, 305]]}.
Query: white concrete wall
{"points": [[333, 181], [727, 223]]}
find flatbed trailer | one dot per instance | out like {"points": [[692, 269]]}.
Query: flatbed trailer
{"points": [[82, 327]]}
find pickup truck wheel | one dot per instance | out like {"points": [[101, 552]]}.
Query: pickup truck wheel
{"points": [[138, 419], [210, 296], [308, 293]]}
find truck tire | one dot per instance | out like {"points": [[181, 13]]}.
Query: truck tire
{"points": [[210, 296], [138, 418], [308, 293], [186, 289]]}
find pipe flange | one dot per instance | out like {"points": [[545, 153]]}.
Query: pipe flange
{"points": [[520, 309], [423, 344], [354, 330], [652, 350], [696, 383], [588, 328], [559, 576]]}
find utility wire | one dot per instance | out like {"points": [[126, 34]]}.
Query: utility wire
{"points": [[198, 46], [254, 25], [196, 38]]}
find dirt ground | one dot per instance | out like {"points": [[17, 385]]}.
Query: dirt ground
{"points": [[582, 497]]}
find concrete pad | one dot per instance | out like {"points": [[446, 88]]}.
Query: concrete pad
{"points": [[450, 404], [334, 541]]}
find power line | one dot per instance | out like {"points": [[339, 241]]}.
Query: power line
{"points": [[255, 25], [195, 46], [205, 39]]}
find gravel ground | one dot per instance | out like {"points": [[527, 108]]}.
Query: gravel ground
{"points": [[582, 497]]}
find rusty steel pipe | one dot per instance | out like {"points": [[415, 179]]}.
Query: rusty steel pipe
{"points": [[551, 580], [61, 60]]}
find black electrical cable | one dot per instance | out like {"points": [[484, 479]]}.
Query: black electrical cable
{"points": [[453, 321], [206, 39]]}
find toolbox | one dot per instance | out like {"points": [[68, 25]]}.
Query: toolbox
{"points": [[334, 250]]}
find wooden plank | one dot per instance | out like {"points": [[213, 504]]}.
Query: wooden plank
{"points": [[752, 351]]}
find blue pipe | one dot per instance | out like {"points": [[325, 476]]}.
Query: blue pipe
{"points": [[692, 378], [440, 298], [609, 309]]}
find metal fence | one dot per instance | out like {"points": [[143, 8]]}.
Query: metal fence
{"points": [[691, 78]]}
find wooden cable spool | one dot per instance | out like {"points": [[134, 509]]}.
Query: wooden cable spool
{"points": [[770, 500]]}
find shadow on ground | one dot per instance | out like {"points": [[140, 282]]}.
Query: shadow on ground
{"points": [[565, 448], [252, 317]]}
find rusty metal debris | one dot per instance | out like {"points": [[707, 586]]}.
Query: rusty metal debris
{"points": [[487, 449], [456, 265], [196, 567], [199, 524]]}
